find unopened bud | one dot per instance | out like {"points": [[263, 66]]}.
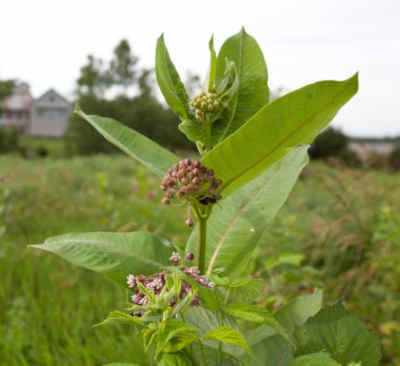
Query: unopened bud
{"points": [[189, 256], [165, 201], [189, 222], [175, 258]]}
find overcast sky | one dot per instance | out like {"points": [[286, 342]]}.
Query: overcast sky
{"points": [[46, 42]]}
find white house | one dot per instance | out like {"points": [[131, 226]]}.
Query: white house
{"points": [[44, 116]]}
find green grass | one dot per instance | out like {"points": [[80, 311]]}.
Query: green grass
{"points": [[48, 307], [55, 147]]}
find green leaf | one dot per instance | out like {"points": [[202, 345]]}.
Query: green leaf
{"points": [[123, 317], [315, 359], [296, 312], [170, 82], [141, 148], [253, 91], [114, 254], [272, 351], [228, 335], [294, 119], [193, 130], [285, 258], [174, 359], [213, 65], [256, 314], [206, 321], [343, 335], [174, 335], [237, 223]]}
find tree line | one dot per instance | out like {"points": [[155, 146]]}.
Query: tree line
{"points": [[106, 89]]}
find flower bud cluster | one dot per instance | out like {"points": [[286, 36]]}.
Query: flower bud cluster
{"points": [[192, 272], [156, 283], [206, 104], [190, 180]]}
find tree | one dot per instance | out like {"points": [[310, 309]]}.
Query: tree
{"points": [[6, 88], [122, 66], [145, 82], [92, 79], [329, 143]]}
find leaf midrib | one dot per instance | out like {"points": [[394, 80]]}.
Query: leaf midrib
{"points": [[280, 143], [223, 238], [96, 244]]}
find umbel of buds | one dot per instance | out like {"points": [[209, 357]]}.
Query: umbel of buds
{"points": [[190, 180], [155, 283], [206, 104]]}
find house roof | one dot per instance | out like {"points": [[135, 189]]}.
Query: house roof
{"points": [[51, 93]]}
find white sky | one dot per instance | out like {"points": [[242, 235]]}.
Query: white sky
{"points": [[46, 42]]}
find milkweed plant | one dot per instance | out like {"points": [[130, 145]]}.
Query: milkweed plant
{"points": [[195, 306]]}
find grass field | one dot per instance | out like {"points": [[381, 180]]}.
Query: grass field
{"points": [[341, 224]]}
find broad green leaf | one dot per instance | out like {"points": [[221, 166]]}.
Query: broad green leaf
{"points": [[228, 335], [114, 254], [237, 223], [141, 148], [315, 359], [206, 321], [272, 351], [256, 314], [123, 317], [294, 119], [296, 312], [170, 82], [174, 335], [343, 335], [193, 130], [253, 91]]}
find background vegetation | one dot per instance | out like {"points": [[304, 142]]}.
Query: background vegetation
{"points": [[339, 231]]}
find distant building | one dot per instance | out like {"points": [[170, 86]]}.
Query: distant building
{"points": [[44, 116], [366, 149], [15, 110]]}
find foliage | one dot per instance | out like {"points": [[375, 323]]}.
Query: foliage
{"points": [[122, 67], [329, 143], [185, 313], [394, 159], [351, 247], [142, 112], [6, 88], [9, 138], [112, 192]]}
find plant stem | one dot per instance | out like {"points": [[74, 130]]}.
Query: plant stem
{"points": [[202, 243]]}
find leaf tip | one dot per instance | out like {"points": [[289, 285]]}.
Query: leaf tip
{"points": [[161, 38]]}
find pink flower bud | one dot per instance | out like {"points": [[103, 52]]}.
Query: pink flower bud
{"points": [[189, 222], [175, 258], [165, 201], [189, 256]]}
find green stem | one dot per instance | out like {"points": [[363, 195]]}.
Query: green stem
{"points": [[202, 243]]}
